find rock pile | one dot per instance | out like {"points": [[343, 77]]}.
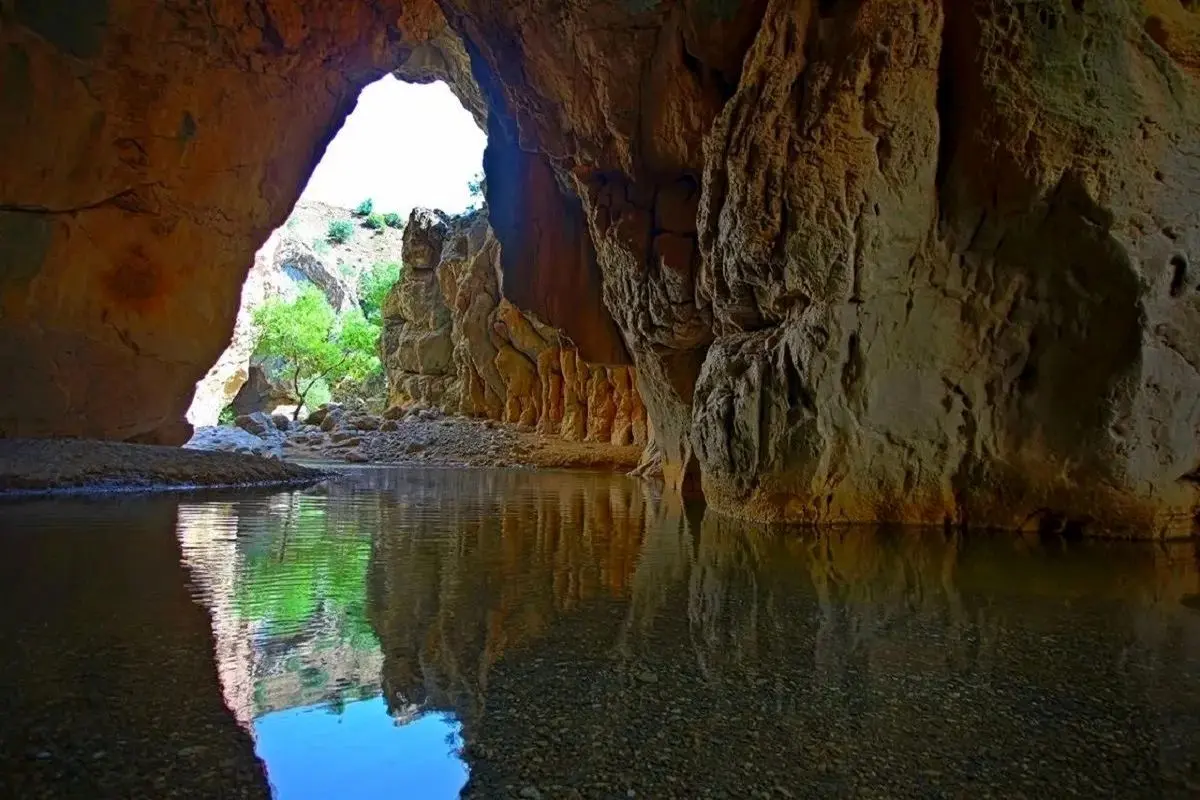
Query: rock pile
{"points": [[418, 436]]}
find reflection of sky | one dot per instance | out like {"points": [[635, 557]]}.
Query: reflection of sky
{"points": [[314, 753]]}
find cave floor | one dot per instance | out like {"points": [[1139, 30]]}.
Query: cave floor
{"points": [[41, 465], [494, 633]]}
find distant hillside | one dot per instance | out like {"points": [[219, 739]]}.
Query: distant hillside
{"points": [[309, 224]]}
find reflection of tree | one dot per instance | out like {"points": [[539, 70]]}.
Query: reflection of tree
{"points": [[301, 567], [285, 582]]}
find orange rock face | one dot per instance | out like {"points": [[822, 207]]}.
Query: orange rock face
{"points": [[454, 341], [147, 151]]}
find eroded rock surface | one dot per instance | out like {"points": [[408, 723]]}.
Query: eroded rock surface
{"points": [[453, 341], [923, 262]]}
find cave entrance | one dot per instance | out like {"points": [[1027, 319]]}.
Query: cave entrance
{"points": [[327, 269]]}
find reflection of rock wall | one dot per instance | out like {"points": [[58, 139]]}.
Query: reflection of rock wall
{"points": [[208, 539], [452, 592], [846, 661], [109, 660], [453, 341]]}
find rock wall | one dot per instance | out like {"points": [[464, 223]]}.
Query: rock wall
{"points": [[888, 260], [453, 340], [131, 203], [226, 378]]}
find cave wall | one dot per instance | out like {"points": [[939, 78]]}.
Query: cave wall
{"points": [[148, 149], [889, 260], [920, 260], [454, 340]]}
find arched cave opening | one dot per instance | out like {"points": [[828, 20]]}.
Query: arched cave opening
{"points": [[311, 314]]}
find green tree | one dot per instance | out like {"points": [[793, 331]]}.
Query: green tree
{"points": [[340, 231], [374, 222], [373, 288], [364, 208], [313, 344], [393, 220]]}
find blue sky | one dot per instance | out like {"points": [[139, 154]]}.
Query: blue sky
{"points": [[404, 145]]}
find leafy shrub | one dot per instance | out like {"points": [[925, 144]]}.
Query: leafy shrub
{"points": [[393, 220], [227, 416], [365, 208], [374, 286], [340, 231], [321, 246], [313, 345], [374, 222]]}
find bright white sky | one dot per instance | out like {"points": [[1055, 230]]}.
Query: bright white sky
{"points": [[405, 145]]}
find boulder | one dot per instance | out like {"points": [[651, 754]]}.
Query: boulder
{"points": [[365, 422], [233, 440], [333, 419], [318, 416], [259, 393], [257, 423]]}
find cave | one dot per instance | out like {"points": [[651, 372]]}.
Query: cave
{"points": [[874, 261]]}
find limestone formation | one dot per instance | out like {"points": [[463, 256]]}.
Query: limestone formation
{"points": [[885, 260], [453, 341], [902, 260], [226, 378]]}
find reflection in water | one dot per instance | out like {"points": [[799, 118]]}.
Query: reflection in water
{"points": [[358, 751], [730, 658], [567, 635], [284, 580]]}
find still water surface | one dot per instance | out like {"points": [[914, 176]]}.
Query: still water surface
{"points": [[406, 633]]}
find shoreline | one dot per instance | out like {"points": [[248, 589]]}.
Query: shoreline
{"points": [[46, 467]]}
